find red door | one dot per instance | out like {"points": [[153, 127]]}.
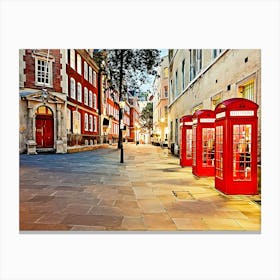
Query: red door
{"points": [[44, 131]]}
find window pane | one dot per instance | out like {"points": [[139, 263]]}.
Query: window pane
{"points": [[189, 143], [219, 152], [208, 147], [194, 145], [242, 135]]}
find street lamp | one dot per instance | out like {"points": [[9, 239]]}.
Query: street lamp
{"points": [[122, 104]]}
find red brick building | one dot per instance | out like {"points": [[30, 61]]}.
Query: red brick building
{"points": [[134, 126], [59, 97], [82, 98], [111, 115]]}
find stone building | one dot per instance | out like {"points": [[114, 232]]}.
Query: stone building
{"points": [[202, 78], [42, 101], [160, 103]]}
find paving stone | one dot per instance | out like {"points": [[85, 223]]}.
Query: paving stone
{"points": [[44, 227], [88, 228], [249, 224], [190, 224], [29, 217], [133, 223], [106, 202], [159, 221], [50, 219], [41, 198], [97, 191], [151, 205], [127, 204], [222, 224], [105, 210], [93, 220]]}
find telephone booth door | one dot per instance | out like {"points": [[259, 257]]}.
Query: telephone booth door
{"points": [[186, 141], [203, 143], [236, 128]]}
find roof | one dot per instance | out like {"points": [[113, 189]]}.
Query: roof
{"points": [[237, 103], [204, 113]]}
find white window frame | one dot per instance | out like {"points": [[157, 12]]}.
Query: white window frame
{"points": [[94, 101], [176, 83], [85, 95], [198, 60], [72, 59], [79, 64], [76, 122], [42, 74], [85, 70], [90, 123], [90, 99], [68, 119], [183, 72], [95, 124], [86, 122], [94, 78], [90, 74], [79, 92], [72, 88]]}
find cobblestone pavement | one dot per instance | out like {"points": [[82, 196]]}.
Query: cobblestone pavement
{"points": [[92, 191]]}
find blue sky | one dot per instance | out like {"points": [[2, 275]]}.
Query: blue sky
{"points": [[163, 52]]}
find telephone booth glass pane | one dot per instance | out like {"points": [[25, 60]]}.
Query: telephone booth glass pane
{"points": [[219, 152], [194, 146], [208, 147], [188, 143], [242, 142]]}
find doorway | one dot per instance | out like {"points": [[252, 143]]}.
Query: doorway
{"points": [[44, 127]]}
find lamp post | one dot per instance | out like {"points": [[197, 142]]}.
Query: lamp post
{"points": [[121, 103]]}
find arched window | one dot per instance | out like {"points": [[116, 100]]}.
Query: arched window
{"points": [[76, 122], [85, 70], [94, 101], [68, 119], [90, 123], [79, 64], [72, 59], [94, 78], [90, 99], [72, 88], [86, 96], [95, 124], [79, 92], [90, 74], [43, 110], [86, 122]]}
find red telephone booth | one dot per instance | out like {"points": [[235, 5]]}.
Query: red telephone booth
{"points": [[203, 143], [186, 141], [236, 129]]}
